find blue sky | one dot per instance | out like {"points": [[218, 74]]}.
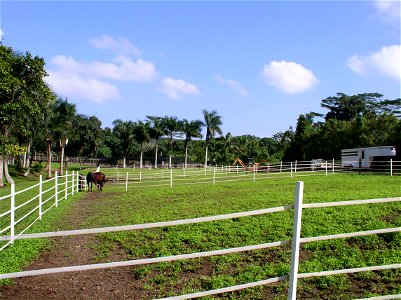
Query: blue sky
{"points": [[258, 64]]}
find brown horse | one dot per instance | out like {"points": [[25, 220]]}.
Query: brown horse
{"points": [[97, 178]]}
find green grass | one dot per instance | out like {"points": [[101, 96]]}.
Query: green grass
{"points": [[25, 251], [143, 205], [161, 204], [14, 257]]}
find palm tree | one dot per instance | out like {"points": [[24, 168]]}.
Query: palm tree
{"points": [[171, 126], [156, 132], [212, 123], [191, 129], [124, 131], [64, 114], [142, 135], [226, 143]]}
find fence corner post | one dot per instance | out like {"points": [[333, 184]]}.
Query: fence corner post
{"points": [[295, 243]]}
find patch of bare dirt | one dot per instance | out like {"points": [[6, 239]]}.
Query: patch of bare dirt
{"points": [[113, 283]]}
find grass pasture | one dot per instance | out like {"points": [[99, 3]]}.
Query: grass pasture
{"points": [[162, 203]]}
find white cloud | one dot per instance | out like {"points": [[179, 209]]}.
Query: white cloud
{"points": [[232, 84], [389, 10], [288, 77], [74, 85], [88, 80], [177, 88], [121, 68], [120, 45], [386, 61], [1, 34]]}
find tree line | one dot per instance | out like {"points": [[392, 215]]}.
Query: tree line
{"points": [[34, 118]]}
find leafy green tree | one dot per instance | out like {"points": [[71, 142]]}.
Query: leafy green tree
{"points": [[141, 135], [225, 144], [157, 131], [191, 129], [87, 136], [345, 108], [171, 126], [108, 143], [62, 125], [124, 132], [23, 94], [212, 122]]}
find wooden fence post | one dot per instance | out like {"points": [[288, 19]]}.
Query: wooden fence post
{"points": [[12, 213], [40, 197], [391, 167], [291, 169], [295, 243], [171, 178]]}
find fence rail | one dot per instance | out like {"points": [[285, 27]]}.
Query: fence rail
{"points": [[21, 209], [295, 242], [128, 178]]}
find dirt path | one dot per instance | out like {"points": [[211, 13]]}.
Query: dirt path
{"points": [[114, 283]]}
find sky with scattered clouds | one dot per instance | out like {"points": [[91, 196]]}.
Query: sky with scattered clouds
{"points": [[258, 64]]}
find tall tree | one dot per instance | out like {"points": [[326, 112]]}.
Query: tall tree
{"points": [[23, 92], [212, 123], [142, 135], [157, 131], [124, 131], [87, 136], [191, 129], [62, 122], [171, 126], [345, 108]]}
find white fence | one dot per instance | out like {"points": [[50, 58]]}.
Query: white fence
{"points": [[20, 210], [128, 178], [150, 177], [293, 277]]}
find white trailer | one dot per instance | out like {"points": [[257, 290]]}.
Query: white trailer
{"points": [[363, 157]]}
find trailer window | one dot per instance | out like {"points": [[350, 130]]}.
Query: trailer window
{"points": [[363, 154]]}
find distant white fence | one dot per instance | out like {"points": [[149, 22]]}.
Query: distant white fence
{"points": [[128, 178], [20, 210], [295, 242]]}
